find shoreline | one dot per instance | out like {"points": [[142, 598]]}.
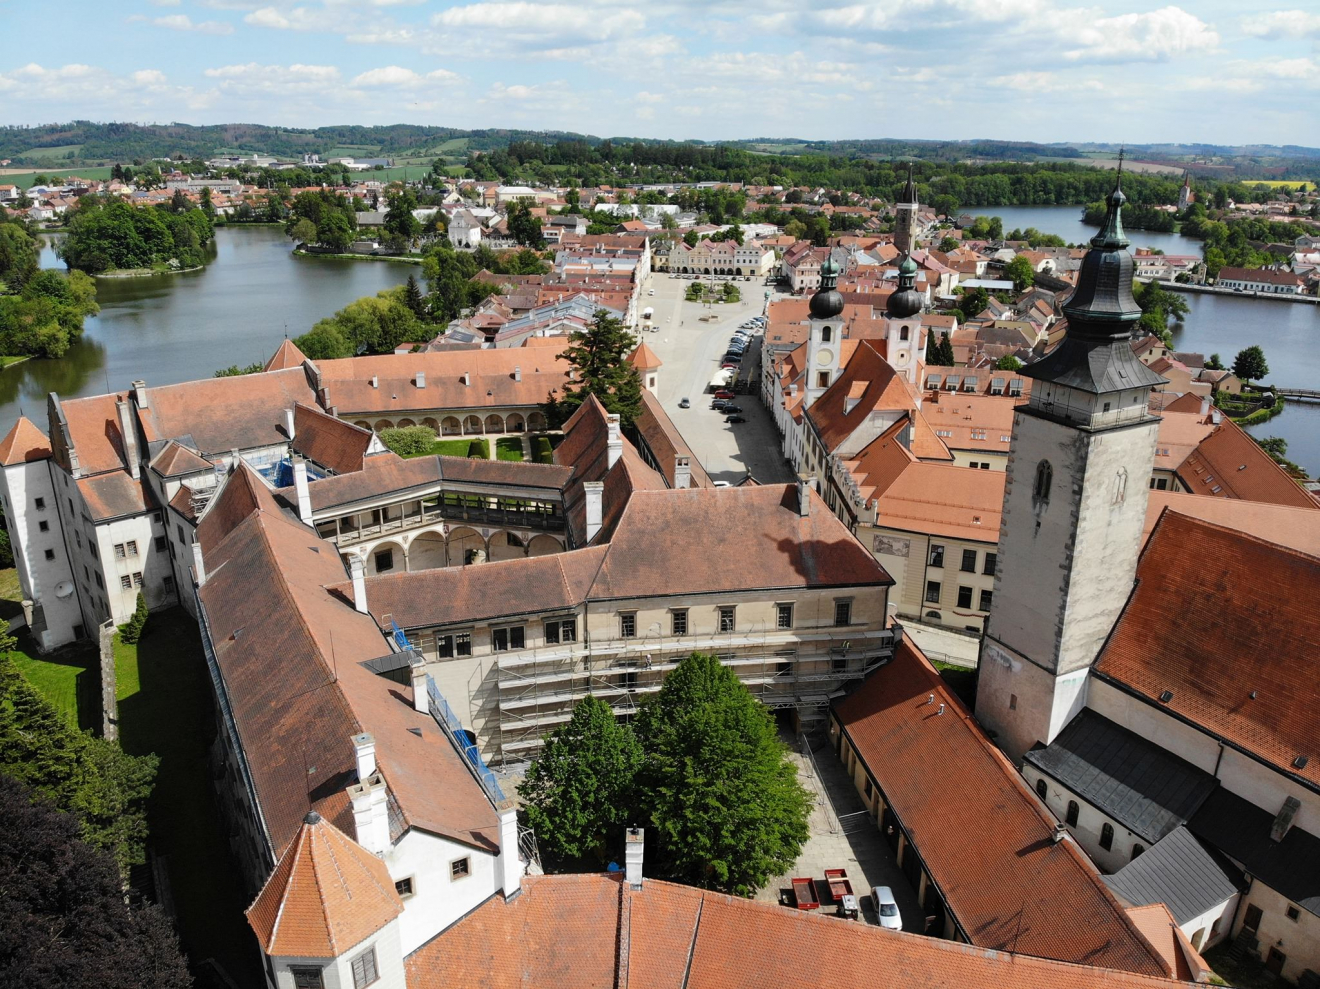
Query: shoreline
{"points": [[398, 258], [145, 272]]}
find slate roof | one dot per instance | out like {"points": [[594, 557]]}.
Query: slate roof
{"points": [[1241, 830], [1146, 788], [1093, 366], [1180, 872]]}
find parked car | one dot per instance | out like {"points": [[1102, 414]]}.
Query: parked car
{"points": [[684, 403], [724, 393], [734, 420], [732, 410], [886, 908]]}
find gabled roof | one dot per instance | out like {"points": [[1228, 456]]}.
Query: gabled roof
{"points": [[1179, 872], [329, 441], [1298, 528], [93, 432], [326, 895], [1226, 624], [24, 443], [1230, 464], [884, 389], [644, 357], [665, 442], [175, 459], [944, 781], [1158, 927], [222, 414], [288, 355]]}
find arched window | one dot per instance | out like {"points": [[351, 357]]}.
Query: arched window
{"points": [[1120, 486], [1073, 811], [1041, 789], [1107, 837], [1137, 849], [902, 332], [1044, 478], [826, 334]]}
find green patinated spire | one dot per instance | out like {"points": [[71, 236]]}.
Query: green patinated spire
{"points": [[1111, 236]]}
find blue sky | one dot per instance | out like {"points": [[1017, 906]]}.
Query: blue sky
{"points": [[1041, 70]]}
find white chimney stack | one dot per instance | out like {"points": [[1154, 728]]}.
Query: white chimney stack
{"points": [[466, 378], [1216, 416], [359, 571], [420, 379], [517, 374], [1205, 406], [199, 568], [615, 443], [364, 751], [510, 865], [300, 486], [375, 381], [128, 436], [421, 697], [140, 395], [370, 815], [805, 483], [288, 424], [682, 472], [633, 846], [595, 495]]}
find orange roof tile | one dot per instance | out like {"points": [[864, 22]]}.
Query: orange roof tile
{"points": [[93, 432], [287, 356], [327, 894], [1227, 623], [175, 459], [1230, 464], [1158, 926], [1298, 528], [885, 389], [24, 443], [333, 443], [644, 357]]}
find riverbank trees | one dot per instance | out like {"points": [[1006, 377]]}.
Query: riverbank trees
{"points": [[46, 314], [331, 219], [105, 235], [376, 324]]}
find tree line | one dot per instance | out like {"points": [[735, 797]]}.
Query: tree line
{"points": [[41, 312], [107, 234]]}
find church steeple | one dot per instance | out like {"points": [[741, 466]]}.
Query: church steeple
{"points": [[905, 216], [906, 301]]}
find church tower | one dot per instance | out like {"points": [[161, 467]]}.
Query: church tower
{"points": [[903, 320], [1185, 196], [905, 217], [825, 335], [1074, 506]]}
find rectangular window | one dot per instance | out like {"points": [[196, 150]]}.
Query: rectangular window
{"points": [[404, 887], [1293, 914], [364, 969], [986, 598], [964, 597], [969, 561], [552, 633], [125, 581], [504, 639], [119, 551], [99, 582], [306, 977], [182, 538], [842, 612], [460, 868], [463, 644], [161, 542], [384, 560], [40, 503], [628, 625], [678, 621], [50, 554], [91, 545], [784, 616], [137, 579], [43, 526], [156, 517], [936, 555], [131, 546], [822, 379], [932, 592], [167, 583], [726, 620], [444, 646], [991, 561]]}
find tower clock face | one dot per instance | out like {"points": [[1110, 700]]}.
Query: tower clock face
{"points": [[901, 357], [824, 357]]}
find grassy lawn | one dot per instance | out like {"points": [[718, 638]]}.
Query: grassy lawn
{"points": [[165, 707], [6, 361], [455, 448], [961, 680], [508, 448], [25, 179]]}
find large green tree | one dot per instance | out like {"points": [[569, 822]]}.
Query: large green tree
{"points": [[726, 810], [523, 227], [580, 793], [1021, 272], [599, 357], [374, 324], [1250, 364]]}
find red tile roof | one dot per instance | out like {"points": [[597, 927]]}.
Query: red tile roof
{"points": [[93, 432], [328, 441], [592, 932], [176, 459], [1014, 886], [1232, 462], [223, 414], [660, 434], [883, 388], [287, 356], [644, 357], [24, 443], [326, 895], [1217, 617], [114, 495], [1298, 528]]}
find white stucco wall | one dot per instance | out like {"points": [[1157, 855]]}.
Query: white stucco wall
{"points": [[21, 486], [437, 900], [337, 973]]}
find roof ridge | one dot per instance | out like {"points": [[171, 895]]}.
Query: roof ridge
{"points": [[320, 892]]}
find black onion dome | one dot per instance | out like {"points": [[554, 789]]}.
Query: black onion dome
{"points": [[1102, 305], [827, 303], [906, 301]]}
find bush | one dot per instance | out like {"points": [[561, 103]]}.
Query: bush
{"points": [[542, 451], [408, 441], [479, 449], [6, 551], [131, 630]]}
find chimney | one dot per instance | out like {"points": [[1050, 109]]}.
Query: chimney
{"points": [[633, 846], [615, 443], [300, 485], [420, 379], [595, 495], [375, 381], [682, 472], [129, 437], [140, 395], [199, 569], [517, 374], [805, 483], [1216, 417], [288, 424], [421, 696], [466, 378], [364, 751], [359, 571], [1060, 832], [370, 815], [510, 865], [1205, 406]]}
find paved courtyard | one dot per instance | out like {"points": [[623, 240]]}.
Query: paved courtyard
{"points": [[691, 350], [843, 836]]}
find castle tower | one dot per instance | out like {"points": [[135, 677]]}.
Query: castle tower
{"points": [[905, 217], [825, 336], [1185, 197], [1074, 505], [904, 333]]}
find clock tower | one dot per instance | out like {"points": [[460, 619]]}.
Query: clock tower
{"points": [[825, 335]]}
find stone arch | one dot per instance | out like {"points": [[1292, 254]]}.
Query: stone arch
{"points": [[515, 423], [544, 545], [405, 423], [383, 424], [363, 424], [450, 426], [471, 424], [505, 545], [431, 424], [427, 551], [464, 544], [378, 562], [494, 423], [536, 422]]}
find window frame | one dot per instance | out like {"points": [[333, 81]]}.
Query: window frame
{"points": [[1073, 813], [964, 596], [935, 557], [361, 981], [1107, 836], [843, 608], [968, 555], [508, 633], [627, 624], [986, 599], [460, 868], [377, 554], [939, 592], [991, 565], [730, 612], [783, 616], [302, 974], [677, 617], [411, 883]]}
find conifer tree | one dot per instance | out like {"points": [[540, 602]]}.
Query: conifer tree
{"points": [[599, 356], [412, 298]]}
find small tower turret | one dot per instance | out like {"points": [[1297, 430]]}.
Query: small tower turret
{"points": [[905, 216], [903, 312], [824, 338]]}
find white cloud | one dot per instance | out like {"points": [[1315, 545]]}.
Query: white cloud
{"points": [[541, 27], [294, 19], [148, 77], [182, 22], [393, 75], [1282, 24], [166, 3], [1156, 36], [252, 80]]}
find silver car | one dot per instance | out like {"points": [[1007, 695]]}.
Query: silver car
{"points": [[886, 908]]}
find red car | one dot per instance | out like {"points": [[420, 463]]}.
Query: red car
{"points": [[724, 393]]}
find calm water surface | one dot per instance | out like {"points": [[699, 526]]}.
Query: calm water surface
{"points": [[1289, 332], [170, 328]]}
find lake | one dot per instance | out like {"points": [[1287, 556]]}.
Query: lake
{"points": [[1289, 332], [165, 329]]}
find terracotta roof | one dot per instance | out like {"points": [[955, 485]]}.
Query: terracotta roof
{"points": [[287, 356], [326, 895], [1230, 464], [93, 432], [1298, 528], [333, 443], [24, 443], [1180, 433], [593, 932], [884, 389], [945, 780], [644, 357], [1216, 616], [964, 416], [1159, 928], [660, 434], [114, 495], [175, 459], [221, 414], [348, 389]]}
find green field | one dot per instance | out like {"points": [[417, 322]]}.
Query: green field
{"points": [[25, 179], [58, 152], [353, 151]]}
